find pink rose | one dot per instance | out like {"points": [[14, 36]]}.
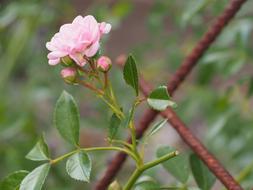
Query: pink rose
{"points": [[77, 39], [104, 63]]}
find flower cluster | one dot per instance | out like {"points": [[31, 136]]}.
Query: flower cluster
{"points": [[77, 39], [76, 44], [75, 47]]}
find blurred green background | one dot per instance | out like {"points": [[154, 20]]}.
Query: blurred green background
{"points": [[216, 100]]}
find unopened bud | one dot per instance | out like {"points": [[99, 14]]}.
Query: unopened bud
{"points": [[67, 61], [104, 63], [69, 75], [114, 186]]}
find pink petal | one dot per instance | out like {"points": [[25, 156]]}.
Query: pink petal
{"points": [[90, 20], [92, 26], [50, 46], [104, 28], [92, 50], [65, 28], [53, 61], [78, 19], [56, 55]]}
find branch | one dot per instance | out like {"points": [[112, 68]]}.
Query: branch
{"points": [[188, 64]]}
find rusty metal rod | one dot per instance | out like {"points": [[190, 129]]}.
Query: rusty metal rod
{"points": [[183, 71]]}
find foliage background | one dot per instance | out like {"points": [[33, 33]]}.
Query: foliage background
{"points": [[215, 101]]}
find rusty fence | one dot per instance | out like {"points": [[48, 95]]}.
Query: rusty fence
{"points": [[187, 136]]}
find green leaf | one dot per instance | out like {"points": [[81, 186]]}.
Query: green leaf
{"points": [[12, 181], [66, 118], [172, 188], [203, 177], [146, 183], [78, 166], [159, 99], [40, 151], [157, 127], [114, 126], [115, 186], [36, 178], [130, 74], [177, 166]]}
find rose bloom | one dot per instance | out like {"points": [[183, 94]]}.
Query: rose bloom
{"points": [[77, 39]]}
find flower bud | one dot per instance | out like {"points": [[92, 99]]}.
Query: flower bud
{"points": [[114, 186], [104, 63], [69, 75], [66, 61]]}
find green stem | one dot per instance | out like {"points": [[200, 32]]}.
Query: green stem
{"points": [[134, 144], [111, 148], [113, 98], [138, 171], [97, 77], [105, 80], [63, 157], [92, 65], [82, 69], [126, 144], [160, 160], [111, 95], [101, 95], [87, 85], [117, 111], [95, 149], [133, 135]]}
